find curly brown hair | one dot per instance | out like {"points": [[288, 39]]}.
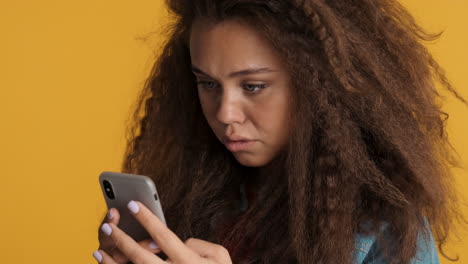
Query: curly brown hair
{"points": [[369, 143]]}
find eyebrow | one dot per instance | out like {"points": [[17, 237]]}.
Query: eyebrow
{"points": [[247, 71]]}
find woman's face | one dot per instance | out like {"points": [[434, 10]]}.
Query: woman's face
{"points": [[243, 88]]}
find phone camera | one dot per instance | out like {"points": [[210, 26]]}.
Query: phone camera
{"points": [[108, 189]]}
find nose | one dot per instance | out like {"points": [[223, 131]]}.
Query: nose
{"points": [[230, 108]]}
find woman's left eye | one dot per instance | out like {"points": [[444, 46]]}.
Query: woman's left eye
{"points": [[254, 87]]}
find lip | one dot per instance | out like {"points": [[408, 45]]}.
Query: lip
{"points": [[235, 138], [238, 145]]}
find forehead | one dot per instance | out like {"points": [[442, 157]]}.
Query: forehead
{"points": [[231, 43]]}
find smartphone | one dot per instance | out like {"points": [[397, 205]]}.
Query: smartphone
{"points": [[120, 188]]}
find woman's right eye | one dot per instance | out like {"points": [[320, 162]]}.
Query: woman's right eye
{"points": [[206, 84]]}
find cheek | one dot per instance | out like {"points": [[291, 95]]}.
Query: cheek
{"points": [[209, 110], [276, 120], [206, 105]]}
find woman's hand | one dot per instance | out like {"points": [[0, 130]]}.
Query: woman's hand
{"points": [[107, 244], [193, 251]]}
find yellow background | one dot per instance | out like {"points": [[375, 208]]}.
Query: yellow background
{"points": [[69, 73]]}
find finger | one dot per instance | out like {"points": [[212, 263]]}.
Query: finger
{"points": [[112, 216], [106, 243], [117, 256], [172, 246], [120, 258], [150, 245], [215, 252], [128, 246], [102, 257]]}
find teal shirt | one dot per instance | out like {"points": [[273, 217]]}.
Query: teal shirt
{"points": [[366, 250]]}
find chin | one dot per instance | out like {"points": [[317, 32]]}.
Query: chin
{"points": [[250, 160]]}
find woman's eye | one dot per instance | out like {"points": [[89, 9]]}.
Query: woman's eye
{"points": [[254, 87], [206, 84]]}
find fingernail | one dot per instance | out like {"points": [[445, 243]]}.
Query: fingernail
{"points": [[97, 256], [133, 207], [153, 245], [110, 215], [106, 228]]}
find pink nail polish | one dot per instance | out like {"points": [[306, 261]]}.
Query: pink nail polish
{"points": [[97, 255], [153, 245], [106, 228], [133, 206], [110, 215]]}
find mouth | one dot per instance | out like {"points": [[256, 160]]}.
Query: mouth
{"points": [[238, 145]]}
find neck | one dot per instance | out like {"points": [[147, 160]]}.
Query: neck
{"points": [[260, 175]]}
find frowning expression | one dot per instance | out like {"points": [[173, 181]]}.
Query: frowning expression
{"points": [[244, 89]]}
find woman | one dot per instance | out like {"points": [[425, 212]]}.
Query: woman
{"points": [[291, 132]]}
